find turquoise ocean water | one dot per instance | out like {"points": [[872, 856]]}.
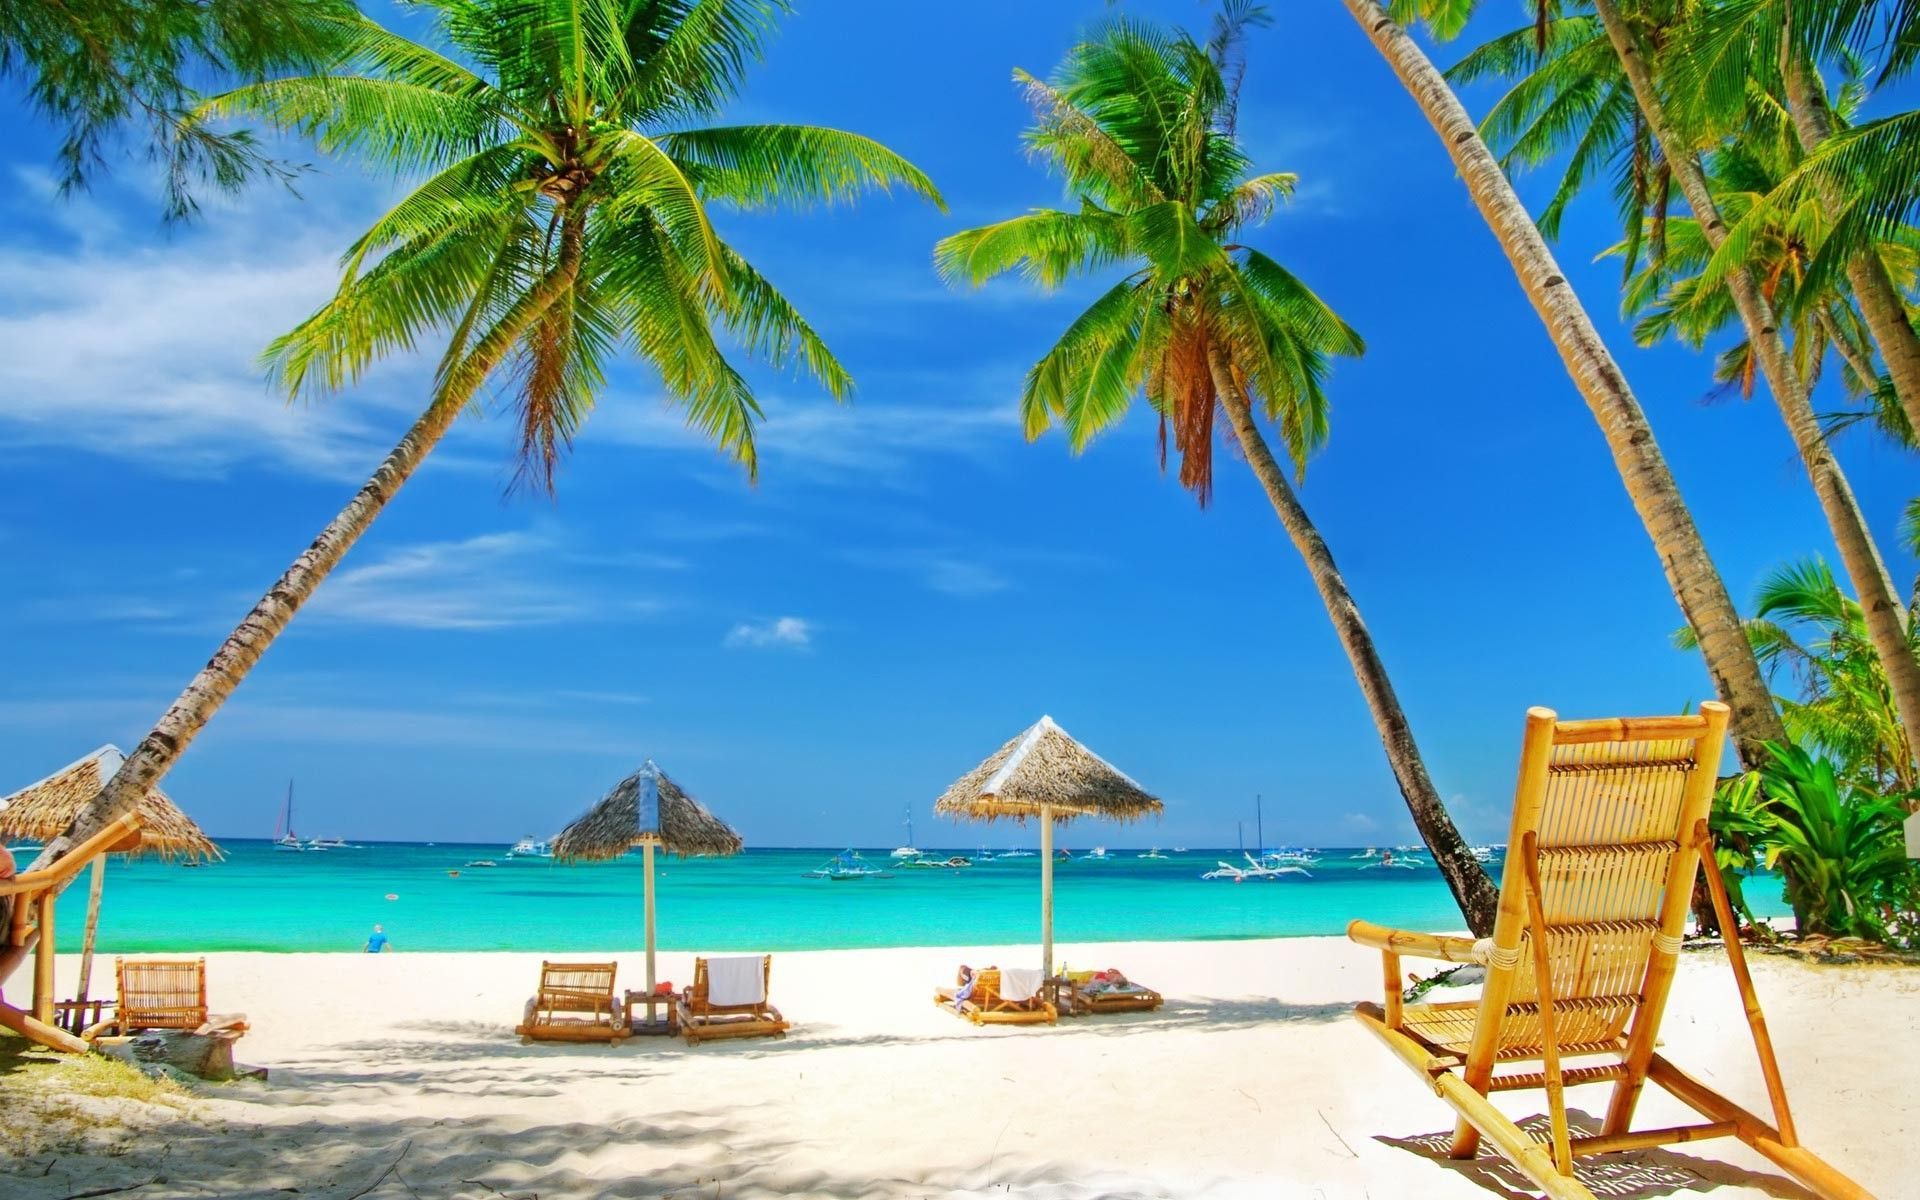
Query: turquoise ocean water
{"points": [[262, 899]]}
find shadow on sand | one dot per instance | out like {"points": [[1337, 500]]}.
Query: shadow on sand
{"points": [[1630, 1175]]}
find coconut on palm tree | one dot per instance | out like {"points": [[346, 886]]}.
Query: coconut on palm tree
{"points": [[559, 224], [1200, 324], [1696, 583]]}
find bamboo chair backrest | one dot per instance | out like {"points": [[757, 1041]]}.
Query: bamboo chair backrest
{"points": [[576, 987], [161, 993], [1610, 808], [697, 994]]}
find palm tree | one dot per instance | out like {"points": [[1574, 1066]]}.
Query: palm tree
{"points": [[1885, 615], [1806, 628], [1696, 584], [1722, 49], [562, 222], [1141, 122]]}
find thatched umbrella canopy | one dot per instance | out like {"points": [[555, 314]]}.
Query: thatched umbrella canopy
{"points": [[646, 809], [1043, 772], [44, 810]]}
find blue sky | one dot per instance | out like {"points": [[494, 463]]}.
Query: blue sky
{"points": [[910, 583]]}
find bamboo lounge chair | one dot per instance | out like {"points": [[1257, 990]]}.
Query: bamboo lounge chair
{"points": [[986, 1006], [28, 930], [1609, 831], [1090, 993], [706, 1012], [575, 1003]]}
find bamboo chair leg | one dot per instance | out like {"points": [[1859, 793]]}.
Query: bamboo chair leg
{"points": [[1543, 986], [1392, 1003], [1749, 999]]}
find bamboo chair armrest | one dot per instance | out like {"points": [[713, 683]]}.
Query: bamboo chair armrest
{"points": [[1419, 945]]}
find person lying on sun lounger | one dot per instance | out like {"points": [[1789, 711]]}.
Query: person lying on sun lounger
{"points": [[964, 992]]}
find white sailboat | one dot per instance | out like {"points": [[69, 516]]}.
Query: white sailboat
{"points": [[284, 838], [907, 851]]}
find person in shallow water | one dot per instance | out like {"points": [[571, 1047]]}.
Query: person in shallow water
{"points": [[377, 942]]}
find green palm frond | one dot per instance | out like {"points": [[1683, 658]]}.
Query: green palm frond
{"points": [[754, 166]]}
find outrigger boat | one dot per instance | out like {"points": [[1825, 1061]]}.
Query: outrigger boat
{"points": [[848, 865], [1388, 862], [1255, 869], [1153, 853]]}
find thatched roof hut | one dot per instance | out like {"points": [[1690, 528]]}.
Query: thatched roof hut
{"points": [[45, 809], [646, 806], [1044, 765]]}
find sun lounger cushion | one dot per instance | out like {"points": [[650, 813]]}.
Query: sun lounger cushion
{"points": [[737, 980]]}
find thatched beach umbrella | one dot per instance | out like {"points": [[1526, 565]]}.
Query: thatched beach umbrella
{"points": [[646, 809], [1045, 773], [44, 810]]}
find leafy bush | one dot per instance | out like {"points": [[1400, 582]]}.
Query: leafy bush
{"points": [[1837, 844]]}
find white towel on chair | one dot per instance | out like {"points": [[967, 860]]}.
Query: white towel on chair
{"points": [[1019, 984], [738, 980]]}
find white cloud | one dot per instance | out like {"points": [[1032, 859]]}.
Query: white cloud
{"points": [[826, 440], [939, 570], [793, 632], [493, 581], [151, 354]]}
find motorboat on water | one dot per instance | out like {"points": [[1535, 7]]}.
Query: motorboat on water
{"points": [[848, 865], [1016, 854], [329, 844], [1153, 853], [527, 847], [1370, 852], [935, 862], [1486, 854], [1097, 854], [483, 862], [1289, 856], [1256, 870]]}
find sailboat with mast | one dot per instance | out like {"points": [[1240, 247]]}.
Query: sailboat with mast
{"points": [[284, 838], [907, 851]]}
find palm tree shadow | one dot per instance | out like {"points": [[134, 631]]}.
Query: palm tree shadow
{"points": [[1627, 1175]]}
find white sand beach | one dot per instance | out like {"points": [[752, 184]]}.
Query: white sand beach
{"points": [[1252, 1082]]}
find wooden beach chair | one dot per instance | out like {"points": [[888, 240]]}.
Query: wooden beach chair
{"points": [[575, 1003], [702, 1019], [1088, 995], [986, 1006], [1609, 832]]}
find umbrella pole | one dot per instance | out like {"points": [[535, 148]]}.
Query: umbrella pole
{"points": [[1046, 892], [94, 888], [646, 853]]}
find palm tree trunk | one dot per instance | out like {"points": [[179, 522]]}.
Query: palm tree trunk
{"points": [[237, 655], [1478, 899], [1881, 307], [1854, 356], [1696, 584], [1886, 617]]}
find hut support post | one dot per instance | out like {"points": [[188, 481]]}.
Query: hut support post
{"points": [[43, 962], [646, 854], [1046, 891], [94, 888]]}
